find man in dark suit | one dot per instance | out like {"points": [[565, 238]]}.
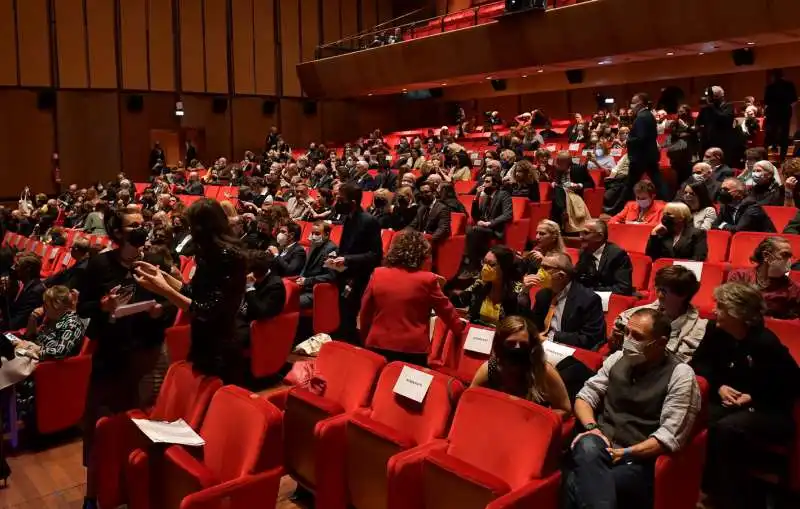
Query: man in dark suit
{"points": [[264, 295], [492, 210], [72, 277], [780, 97], [643, 153], [433, 217], [290, 257], [156, 154], [715, 158], [567, 312], [321, 178], [740, 212], [715, 122], [314, 271], [193, 187], [360, 251], [602, 265], [386, 178], [23, 291], [362, 177]]}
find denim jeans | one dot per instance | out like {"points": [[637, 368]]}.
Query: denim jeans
{"points": [[594, 482]]}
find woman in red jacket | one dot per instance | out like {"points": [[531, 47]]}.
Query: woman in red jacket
{"points": [[396, 307]]}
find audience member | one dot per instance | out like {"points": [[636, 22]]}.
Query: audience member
{"points": [[753, 383], [773, 259], [492, 209], [72, 277], [290, 256], [521, 181], [765, 190], [641, 404], [696, 197], [602, 265], [264, 295], [568, 182], [314, 272], [21, 291], [780, 96], [433, 216], [644, 210], [396, 308], [518, 366], [404, 210], [495, 295], [642, 144], [715, 123], [715, 158], [676, 236], [548, 241], [740, 212]]}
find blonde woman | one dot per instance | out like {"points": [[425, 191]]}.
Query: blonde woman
{"points": [[229, 208], [548, 242], [381, 208], [404, 209], [676, 237]]}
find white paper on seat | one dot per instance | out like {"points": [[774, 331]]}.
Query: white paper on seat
{"points": [[132, 309], [605, 297], [192, 271], [177, 432], [574, 147], [413, 384], [66, 259], [696, 267], [53, 254], [479, 340], [556, 352]]}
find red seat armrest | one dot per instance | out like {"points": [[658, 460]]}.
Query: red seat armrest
{"points": [[244, 492], [328, 406], [183, 469], [466, 471], [383, 431], [278, 398], [404, 473], [542, 493]]}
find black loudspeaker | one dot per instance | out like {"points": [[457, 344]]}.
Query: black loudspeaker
{"points": [[743, 56], [46, 99], [310, 107], [575, 76], [519, 5], [268, 107], [437, 93], [498, 85], [135, 103], [219, 105]]}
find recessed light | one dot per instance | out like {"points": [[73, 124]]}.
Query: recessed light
{"points": [[369, 95], [488, 77], [540, 70], [524, 75], [670, 53], [751, 43], [701, 53], [444, 84]]}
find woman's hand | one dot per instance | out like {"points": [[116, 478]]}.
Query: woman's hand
{"points": [[729, 395], [150, 278], [531, 281], [659, 230], [790, 184], [535, 255]]}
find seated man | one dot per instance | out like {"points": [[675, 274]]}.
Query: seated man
{"points": [[22, 291], [715, 158], [264, 295], [701, 172], [644, 210], [433, 216], [299, 205], [314, 272], [676, 286], [603, 266], [492, 210], [740, 212], [564, 310], [193, 187], [290, 257], [71, 277], [647, 403]]}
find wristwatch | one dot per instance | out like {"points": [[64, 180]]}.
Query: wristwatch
{"points": [[590, 427]]}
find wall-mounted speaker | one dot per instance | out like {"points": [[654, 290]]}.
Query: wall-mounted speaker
{"points": [[135, 103], [219, 105], [499, 85], [268, 107], [310, 107], [437, 93], [575, 76], [46, 99], [743, 56]]}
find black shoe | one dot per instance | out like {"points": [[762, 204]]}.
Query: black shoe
{"points": [[89, 503], [301, 494]]}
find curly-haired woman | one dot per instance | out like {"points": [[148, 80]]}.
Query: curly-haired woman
{"points": [[396, 307]]}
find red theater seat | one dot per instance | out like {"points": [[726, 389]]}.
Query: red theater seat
{"points": [[616, 305], [185, 394], [712, 276], [360, 449], [630, 237], [744, 243], [718, 241], [780, 216], [60, 388], [448, 256], [501, 452], [238, 467], [271, 340]]}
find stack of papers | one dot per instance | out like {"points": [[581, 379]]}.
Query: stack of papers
{"points": [[177, 432]]}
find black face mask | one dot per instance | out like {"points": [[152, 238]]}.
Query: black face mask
{"points": [[725, 197], [488, 190], [426, 199], [379, 203], [343, 207], [402, 201], [136, 237], [517, 356], [668, 222]]}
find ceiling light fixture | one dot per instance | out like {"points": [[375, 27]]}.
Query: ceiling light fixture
{"points": [[488, 77], [670, 53], [701, 53], [751, 43], [369, 95], [524, 75], [540, 70], [444, 84]]}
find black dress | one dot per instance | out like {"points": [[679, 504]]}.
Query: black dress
{"points": [[216, 291]]}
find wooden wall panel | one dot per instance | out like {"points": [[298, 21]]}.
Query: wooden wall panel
{"points": [[133, 44], [250, 125], [384, 10], [331, 20], [266, 82], [158, 113], [298, 128], [88, 123], [101, 34], [26, 144], [244, 64], [216, 46], [217, 126], [33, 39], [369, 14], [8, 44], [73, 69], [192, 58], [310, 23], [290, 46], [349, 17], [507, 106], [554, 104], [162, 50]]}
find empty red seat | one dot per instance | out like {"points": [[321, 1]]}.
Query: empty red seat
{"points": [[239, 467], [185, 394], [358, 452], [458, 223], [520, 207], [744, 243], [641, 270], [718, 241], [448, 256], [780, 216], [60, 388], [630, 237]]}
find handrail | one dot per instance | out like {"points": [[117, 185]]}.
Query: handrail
{"points": [[374, 30]]}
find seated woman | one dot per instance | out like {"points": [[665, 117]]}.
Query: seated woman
{"points": [[676, 237], [696, 197], [753, 383], [518, 367], [404, 209], [600, 158], [495, 294], [448, 196], [676, 286], [773, 259], [396, 307], [522, 181], [381, 208], [645, 210], [548, 241]]}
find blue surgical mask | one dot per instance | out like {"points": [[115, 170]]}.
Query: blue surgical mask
{"points": [[643, 204], [599, 152]]}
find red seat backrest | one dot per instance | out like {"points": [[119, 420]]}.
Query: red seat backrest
{"points": [[630, 237], [292, 303], [185, 394], [780, 216], [641, 269], [349, 373], [423, 422], [514, 439], [788, 331], [520, 204], [744, 243], [466, 200], [713, 275], [616, 305], [336, 234], [718, 241], [386, 239], [458, 223]]}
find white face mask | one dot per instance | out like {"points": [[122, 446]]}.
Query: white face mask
{"points": [[599, 152], [757, 176], [779, 268], [315, 239], [698, 177], [643, 204], [282, 239], [634, 351]]}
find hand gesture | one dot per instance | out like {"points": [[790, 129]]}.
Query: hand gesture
{"points": [[250, 279], [660, 229], [729, 395], [531, 281], [156, 311], [150, 278], [744, 400], [301, 281], [273, 250], [790, 183], [595, 431], [484, 224], [37, 314], [535, 255]]}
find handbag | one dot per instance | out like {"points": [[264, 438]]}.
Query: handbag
{"points": [[304, 374]]}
